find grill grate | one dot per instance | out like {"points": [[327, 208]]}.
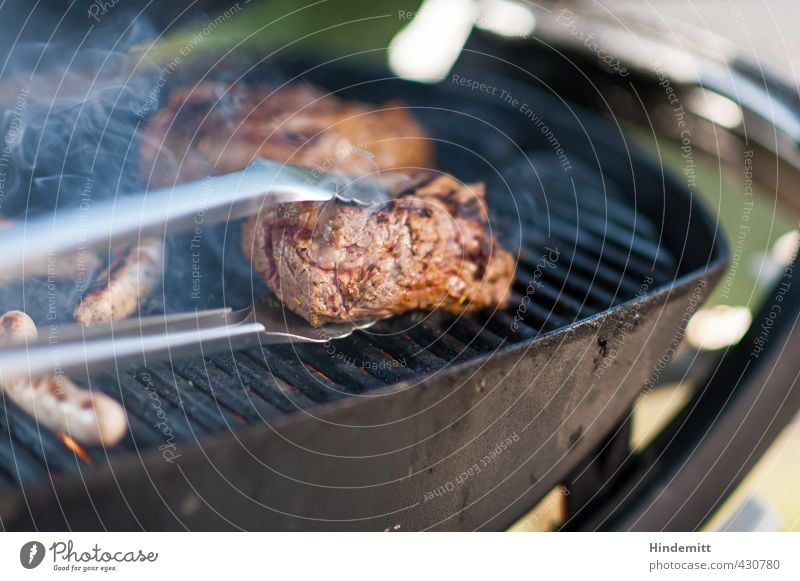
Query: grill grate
{"points": [[605, 251], [606, 247]]}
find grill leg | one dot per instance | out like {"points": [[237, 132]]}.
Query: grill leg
{"points": [[593, 481]]}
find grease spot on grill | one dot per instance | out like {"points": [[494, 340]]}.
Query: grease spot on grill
{"points": [[575, 436], [602, 342], [190, 505]]}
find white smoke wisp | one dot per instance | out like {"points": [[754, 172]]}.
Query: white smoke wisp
{"points": [[68, 137]]}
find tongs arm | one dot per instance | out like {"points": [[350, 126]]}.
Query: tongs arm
{"points": [[74, 348], [77, 349], [155, 212]]}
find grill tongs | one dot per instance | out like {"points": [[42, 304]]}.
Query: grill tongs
{"points": [[158, 213]]}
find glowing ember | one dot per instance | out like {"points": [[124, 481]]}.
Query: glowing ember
{"points": [[76, 448]]}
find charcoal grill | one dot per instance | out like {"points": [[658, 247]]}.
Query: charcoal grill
{"points": [[454, 423], [425, 421]]}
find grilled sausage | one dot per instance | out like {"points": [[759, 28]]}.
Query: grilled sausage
{"points": [[55, 401], [121, 288]]}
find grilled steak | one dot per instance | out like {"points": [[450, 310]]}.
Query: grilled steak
{"points": [[427, 248], [217, 128]]}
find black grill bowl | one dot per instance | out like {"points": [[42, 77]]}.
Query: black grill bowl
{"points": [[427, 422]]}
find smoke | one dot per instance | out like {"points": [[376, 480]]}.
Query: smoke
{"points": [[72, 119], [70, 134], [69, 120]]}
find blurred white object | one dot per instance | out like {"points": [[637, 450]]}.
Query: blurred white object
{"points": [[785, 247], [428, 47], [767, 267], [718, 327], [506, 18], [753, 516], [716, 108]]}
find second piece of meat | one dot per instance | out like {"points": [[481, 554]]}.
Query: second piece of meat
{"points": [[213, 127]]}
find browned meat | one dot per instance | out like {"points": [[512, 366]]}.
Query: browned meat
{"points": [[55, 401], [121, 288], [217, 128], [428, 248], [330, 262]]}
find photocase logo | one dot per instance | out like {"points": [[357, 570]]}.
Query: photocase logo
{"points": [[31, 554]]}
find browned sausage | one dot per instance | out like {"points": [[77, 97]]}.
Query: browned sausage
{"points": [[120, 289], [55, 401]]}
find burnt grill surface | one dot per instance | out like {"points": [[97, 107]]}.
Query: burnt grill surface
{"points": [[605, 251], [603, 227]]}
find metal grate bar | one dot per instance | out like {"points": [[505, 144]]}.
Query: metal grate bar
{"points": [[226, 390], [149, 406], [360, 349], [282, 362], [17, 465], [466, 332], [611, 279], [442, 344], [192, 402], [140, 435], [260, 381], [345, 370], [592, 297], [604, 250], [39, 442], [504, 325], [405, 349], [549, 297], [605, 207], [605, 201], [534, 313]]}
